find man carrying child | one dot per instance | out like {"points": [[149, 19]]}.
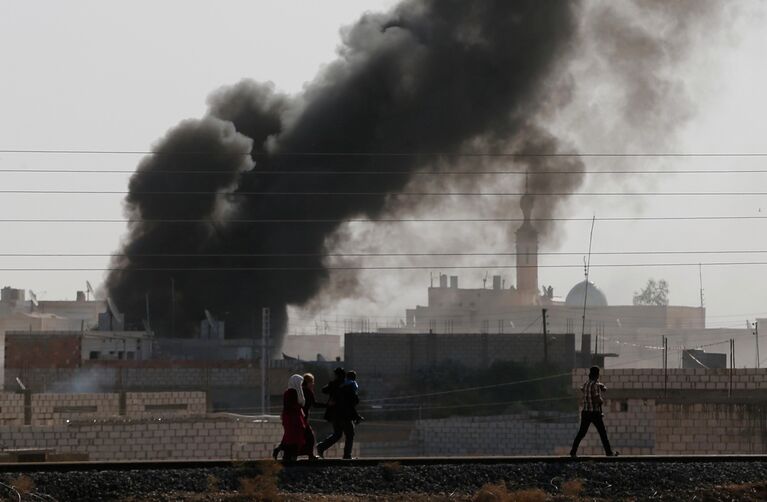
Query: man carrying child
{"points": [[341, 411]]}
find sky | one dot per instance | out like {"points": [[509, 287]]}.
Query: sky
{"points": [[116, 76]]}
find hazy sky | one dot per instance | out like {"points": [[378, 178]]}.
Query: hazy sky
{"points": [[82, 75]]}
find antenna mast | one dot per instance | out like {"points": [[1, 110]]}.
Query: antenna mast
{"points": [[700, 279], [587, 265]]}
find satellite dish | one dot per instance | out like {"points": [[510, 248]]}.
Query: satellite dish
{"points": [[33, 298]]}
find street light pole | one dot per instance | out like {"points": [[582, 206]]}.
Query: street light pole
{"points": [[756, 335]]}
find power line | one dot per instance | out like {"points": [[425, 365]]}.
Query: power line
{"points": [[380, 220], [413, 407], [389, 194], [308, 269], [469, 389], [445, 172], [372, 255], [386, 154], [524, 330]]}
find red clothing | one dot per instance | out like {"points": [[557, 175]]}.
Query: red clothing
{"points": [[293, 420]]}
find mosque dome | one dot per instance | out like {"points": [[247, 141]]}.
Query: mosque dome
{"points": [[595, 297]]}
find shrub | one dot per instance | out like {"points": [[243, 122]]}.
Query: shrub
{"points": [[389, 470], [264, 486], [572, 488]]}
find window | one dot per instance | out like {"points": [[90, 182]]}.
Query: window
{"points": [[94, 354]]}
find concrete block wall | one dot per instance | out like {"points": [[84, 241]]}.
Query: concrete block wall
{"points": [[48, 409], [743, 379], [51, 409], [631, 429], [107, 379], [145, 439], [700, 422], [164, 404], [518, 434], [11, 408], [711, 428]]}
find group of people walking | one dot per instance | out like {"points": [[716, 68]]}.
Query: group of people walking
{"points": [[298, 437]]}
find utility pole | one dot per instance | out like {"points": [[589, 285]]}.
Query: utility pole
{"points": [[545, 338], [265, 335], [172, 307], [732, 364], [665, 366], [148, 323]]}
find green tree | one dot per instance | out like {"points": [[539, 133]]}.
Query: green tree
{"points": [[655, 293]]}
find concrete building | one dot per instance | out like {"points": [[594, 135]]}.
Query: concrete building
{"points": [[79, 314], [68, 349], [632, 333], [313, 347]]}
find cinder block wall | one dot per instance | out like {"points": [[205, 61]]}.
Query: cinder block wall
{"points": [[743, 379], [11, 408], [48, 409], [52, 409], [631, 428], [148, 439], [711, 428], [163, 404], [518, 434], [701, 421]]}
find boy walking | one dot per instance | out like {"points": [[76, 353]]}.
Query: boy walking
{"points": [[592, 412], [351, 392]]}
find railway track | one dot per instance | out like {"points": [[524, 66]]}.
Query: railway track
{"points": [[606, 478], [158, 465]]}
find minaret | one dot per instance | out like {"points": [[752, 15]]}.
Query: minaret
{"points": [[527, 252]]}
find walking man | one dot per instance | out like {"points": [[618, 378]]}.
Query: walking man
{"points": [[592, 412], [340, 412]]}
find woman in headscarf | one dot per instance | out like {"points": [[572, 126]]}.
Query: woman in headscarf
{"points": [[311, 401], [294, 422]]}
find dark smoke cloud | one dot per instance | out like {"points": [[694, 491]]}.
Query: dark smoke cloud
{"points": [[430, 76], [183, 162]]}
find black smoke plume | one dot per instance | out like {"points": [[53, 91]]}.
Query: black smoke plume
{"points": [[429, 77]]}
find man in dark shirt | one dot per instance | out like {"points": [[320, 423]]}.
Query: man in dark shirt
{"points": [[338, 413], [592, 412]]}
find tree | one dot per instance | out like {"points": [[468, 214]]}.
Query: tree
{"points": [[655, 293]]}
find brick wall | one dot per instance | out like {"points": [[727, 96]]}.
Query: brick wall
{"points": [[60, 350]]}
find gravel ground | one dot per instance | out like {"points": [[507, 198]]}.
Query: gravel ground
{"points": [[608, 481]]}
